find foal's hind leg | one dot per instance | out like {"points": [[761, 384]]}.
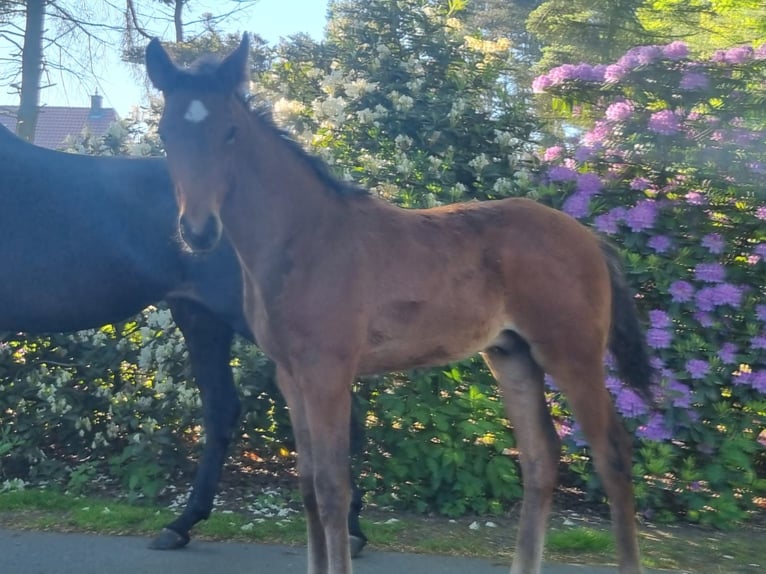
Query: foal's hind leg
{"points": [[521, 381], [611, 446]]}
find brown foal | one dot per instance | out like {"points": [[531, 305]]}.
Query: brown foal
{"points": [[340, 283]]}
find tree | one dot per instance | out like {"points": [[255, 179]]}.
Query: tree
{"points": [[69, 37], [31, 64], [706, 25], [595, 31]]}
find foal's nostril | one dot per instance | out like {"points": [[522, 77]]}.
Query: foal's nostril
{"points": [[204, 238]]}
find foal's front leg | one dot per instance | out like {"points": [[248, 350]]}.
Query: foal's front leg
{"points": [[324, 413], [317, 547]]}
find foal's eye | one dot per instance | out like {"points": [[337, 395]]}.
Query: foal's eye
{"points": [[231, 135]]}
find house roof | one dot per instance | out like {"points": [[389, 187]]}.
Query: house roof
{"points": [[55, 123]]}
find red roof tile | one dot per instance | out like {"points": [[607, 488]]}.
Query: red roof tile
{"points": [[55, 123]]}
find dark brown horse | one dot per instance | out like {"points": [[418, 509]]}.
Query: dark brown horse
{"points": [[339, 283]]}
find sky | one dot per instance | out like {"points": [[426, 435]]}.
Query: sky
{"points": [[121, 90]]}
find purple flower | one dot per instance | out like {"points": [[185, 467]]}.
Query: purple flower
{"points": [[654, 429], [694, 81], [737, 55], [659, 319], [681, 291], [758, 381], [648, 54], [728, 353], [760, 250], [713, 242], [619, 111], [704, 319], [728, 294], [541, 83], [664, 123], [695, 198], [642, 215], [660, 243], [705, 299], [758, 342], [561, 173], [760, 310], [588, 183], [567, 72], [682, 394], [629, 403], [709, 272], [760, 52], [609, 222], [639, 183], [675, 51], [615, 72], [697, 368], [553, 153], [577, 205], [597, 135], [658, 338], [585, 152]]}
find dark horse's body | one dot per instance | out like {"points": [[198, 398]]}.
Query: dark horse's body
{"points": [[92, 240]]}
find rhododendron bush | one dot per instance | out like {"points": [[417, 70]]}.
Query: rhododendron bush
{"points": [[667, 157]]}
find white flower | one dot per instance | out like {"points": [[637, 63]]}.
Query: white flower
{"points": [[503, 185], [359, 87], [285, 110], [401, 102], [479, 162], [331, 109], [414, 66], [458, 107], [404, 165], [504, 138], [140, 149], [365, 116], [383, 51], [403, 142], [415, 84], [331, 82]]}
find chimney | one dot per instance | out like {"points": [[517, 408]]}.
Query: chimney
{"points": [[96, 102]]}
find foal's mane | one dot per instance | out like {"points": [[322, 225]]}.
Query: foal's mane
{"points": [[262, 114]]}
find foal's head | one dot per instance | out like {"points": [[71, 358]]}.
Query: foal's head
{"points": [[203, 107]]}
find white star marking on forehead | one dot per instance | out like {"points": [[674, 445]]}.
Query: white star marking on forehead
{"points": [[196, 112]]}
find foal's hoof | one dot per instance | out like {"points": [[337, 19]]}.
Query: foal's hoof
{"points": [[356, 545], [168, 539]]}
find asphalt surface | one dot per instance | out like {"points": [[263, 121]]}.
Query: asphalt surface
{"points": [[24, 552]]}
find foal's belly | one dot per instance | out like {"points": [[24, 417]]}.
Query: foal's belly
{"points": [[411, 348]]}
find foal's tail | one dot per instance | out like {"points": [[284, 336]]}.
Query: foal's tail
{"points": [[626, 340]]}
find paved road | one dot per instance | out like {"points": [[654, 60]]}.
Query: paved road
{"points": [[51, 553]]}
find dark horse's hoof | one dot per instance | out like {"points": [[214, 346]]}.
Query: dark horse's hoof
{"points": [[356, 545], [168, 539]]}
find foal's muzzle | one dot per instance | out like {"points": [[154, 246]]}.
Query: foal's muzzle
{"points": [[201, 239]]}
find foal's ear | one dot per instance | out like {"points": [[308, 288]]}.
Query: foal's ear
{"points": [[160, 68], [233, 70]]}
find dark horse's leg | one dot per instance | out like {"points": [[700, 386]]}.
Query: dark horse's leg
{"points": [[357, 539], [209, 342]]}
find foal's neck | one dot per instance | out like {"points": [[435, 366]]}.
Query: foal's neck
{"points": [[279, 193]]}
